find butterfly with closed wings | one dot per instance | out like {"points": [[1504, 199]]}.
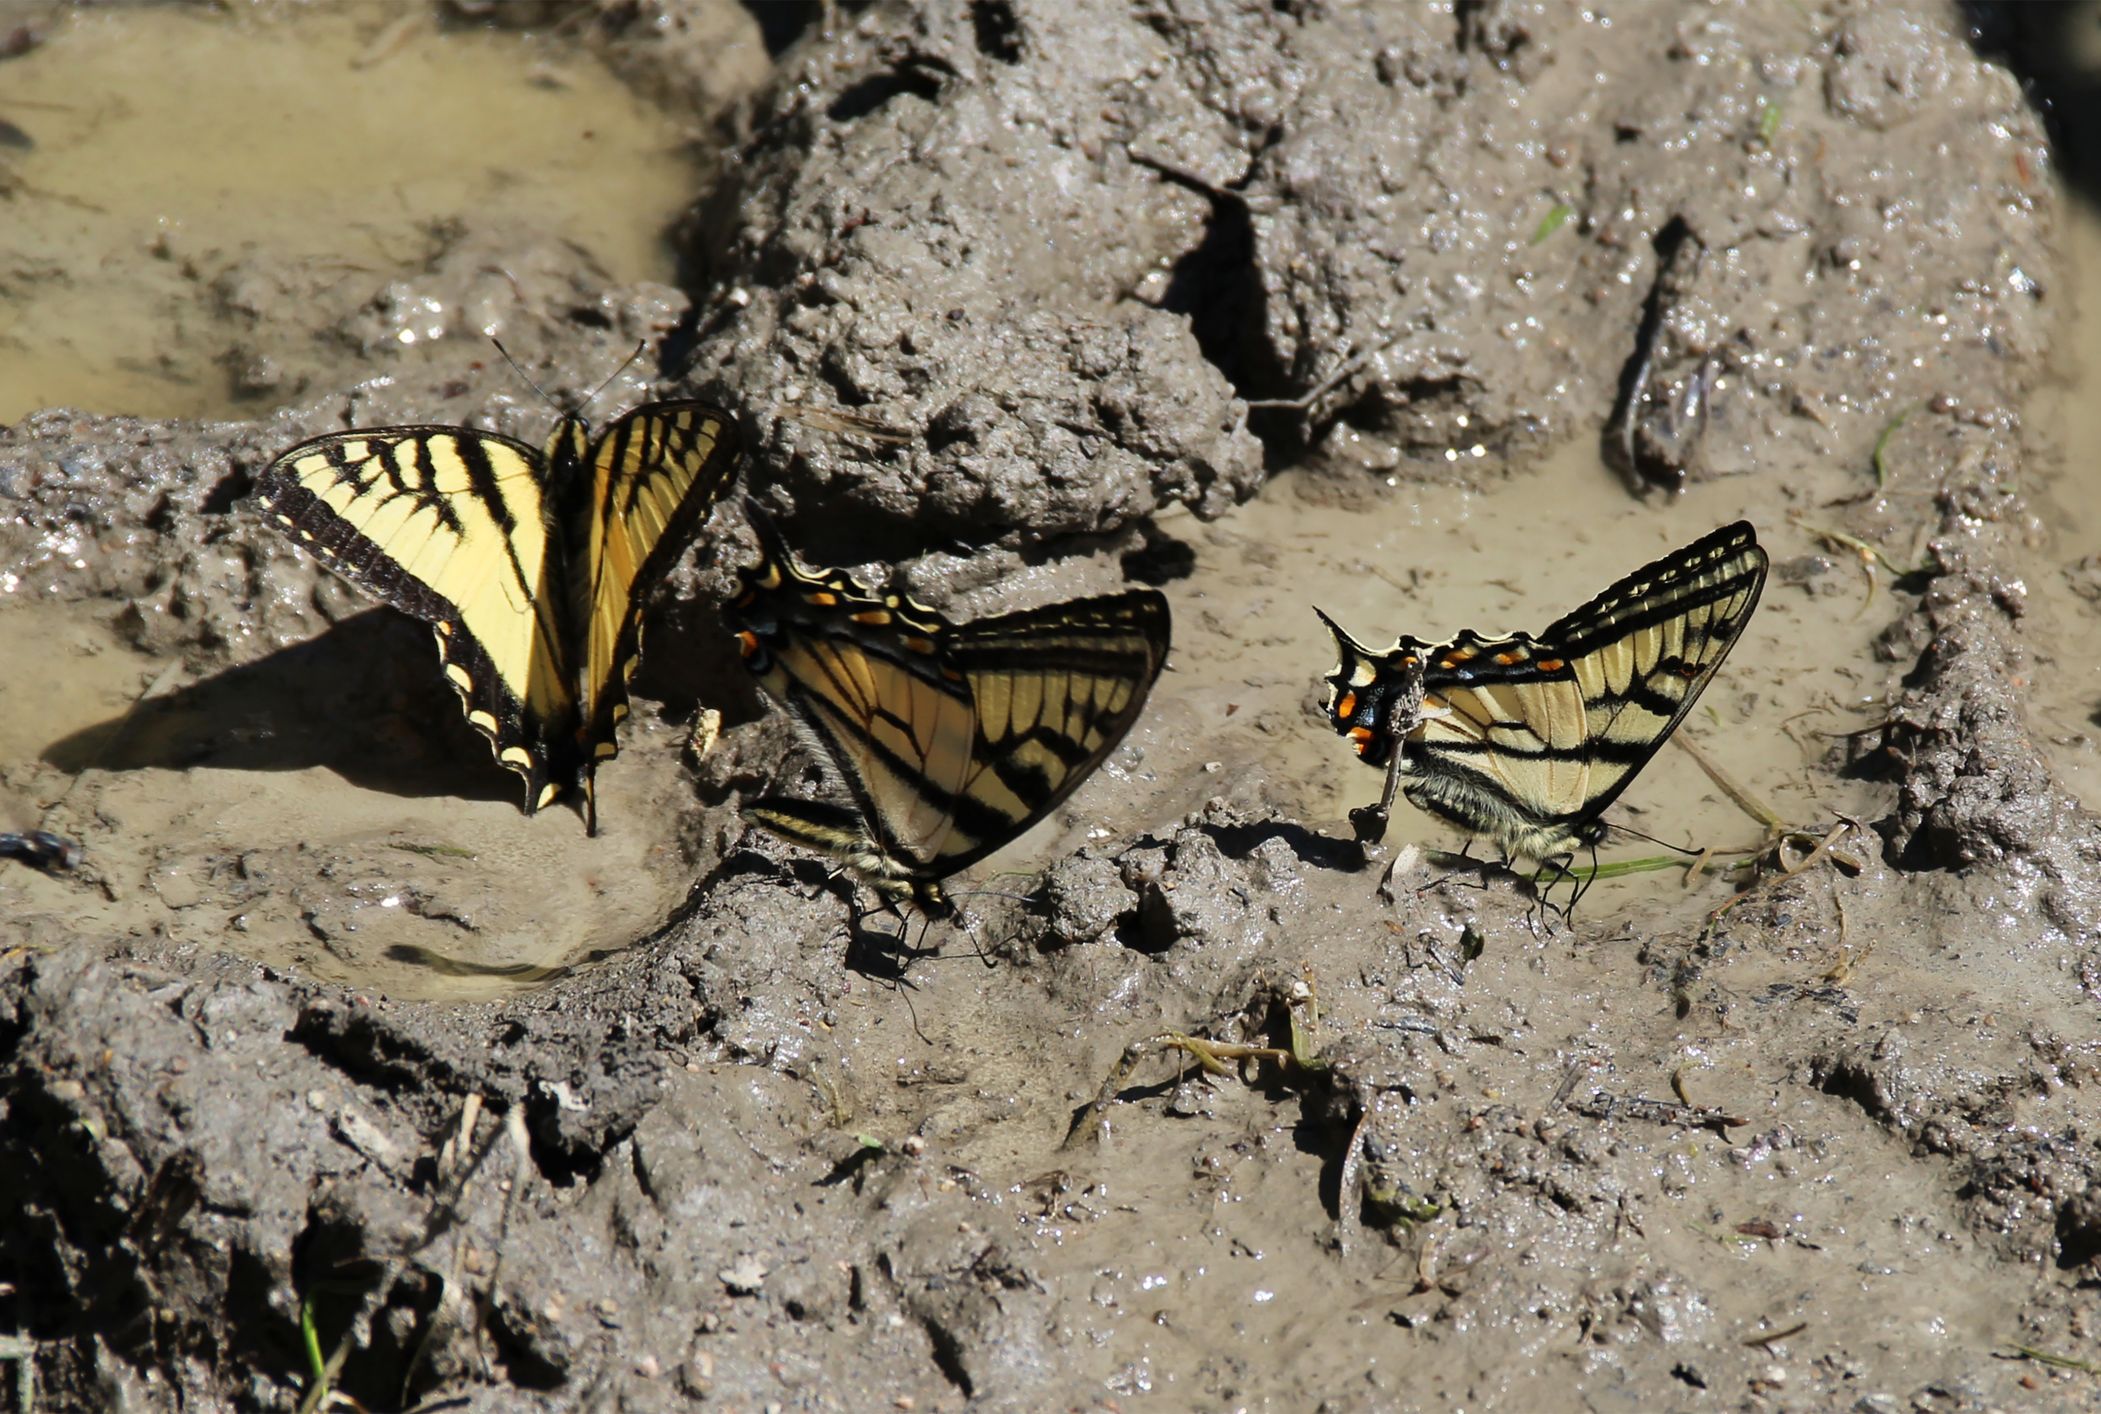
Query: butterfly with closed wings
{"points": [[531, 566], [947, 740], [1527, 740]]}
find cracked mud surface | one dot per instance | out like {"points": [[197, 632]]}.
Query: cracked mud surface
{"points": [[1380, 309]]}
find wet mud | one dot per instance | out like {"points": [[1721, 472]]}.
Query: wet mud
{"points": [[1436, 319]]}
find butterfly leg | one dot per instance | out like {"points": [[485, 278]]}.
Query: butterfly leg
{"points": [[1370, 821], [883, 953], [1558, 870]]}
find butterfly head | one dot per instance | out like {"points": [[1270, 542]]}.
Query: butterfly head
{"points": [[932, 900], [568, 451], [1375, 699]]}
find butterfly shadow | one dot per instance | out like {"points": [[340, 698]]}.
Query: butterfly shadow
{"points": [[1309, 845], [881, 954], [363, 699]]}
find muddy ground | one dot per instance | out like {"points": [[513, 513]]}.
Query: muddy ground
{"points": [[1437, 318]]}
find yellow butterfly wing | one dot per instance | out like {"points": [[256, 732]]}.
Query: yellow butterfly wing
{"points": [[654, 475], [451, 526]]}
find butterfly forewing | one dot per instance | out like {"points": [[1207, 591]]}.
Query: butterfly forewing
{"points": [[450, 526], [1646, 648], [1055, 690], [655, 473]]}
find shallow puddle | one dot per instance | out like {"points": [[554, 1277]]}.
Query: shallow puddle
{"points": [[173, 146], [220, 822]]}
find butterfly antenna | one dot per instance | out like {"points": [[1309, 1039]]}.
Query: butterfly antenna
{"points": [[625, 365], [1640, 835], [523, 376], [548, 398]]}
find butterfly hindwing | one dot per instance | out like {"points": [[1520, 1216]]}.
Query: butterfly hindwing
{"points": [[1528, 740], [529, 565], [950, 739]]}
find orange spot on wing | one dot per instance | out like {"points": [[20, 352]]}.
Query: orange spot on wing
{"points": [[1346, 705], [1551, 665]]}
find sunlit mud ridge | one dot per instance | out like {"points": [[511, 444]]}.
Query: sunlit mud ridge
{"points": [[325, 1068]]}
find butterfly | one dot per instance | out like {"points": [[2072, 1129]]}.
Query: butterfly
{"points": [[947, 740], [1527, 740], [531, 566]]}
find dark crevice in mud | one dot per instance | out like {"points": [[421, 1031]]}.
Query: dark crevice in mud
{"points": [[782, 22], [1217, 286], [225, 492], [1133, 935], [997, 29], [525, 1363], [921, 76], [948, 1355], [259, 1337], [1619, 443], [333, 1271], [678, 348], [1376, 409], [561, 1157], [1853, 1078], [71, 1248], [365, 1051], [850, 1168], [2046, 45], [2078, 1233]]}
